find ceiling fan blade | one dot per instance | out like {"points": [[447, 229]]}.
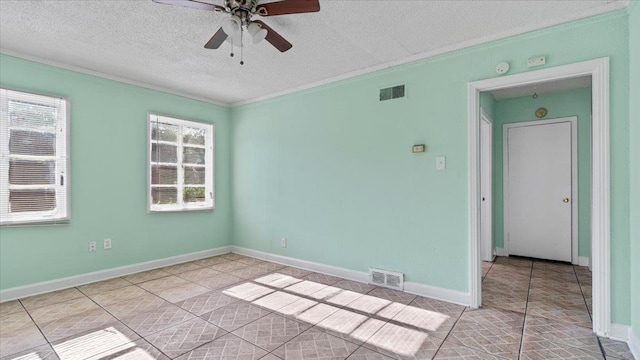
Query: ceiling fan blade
{"points": [[216, 40], [288, 7], [274, 38], [192, 4]]}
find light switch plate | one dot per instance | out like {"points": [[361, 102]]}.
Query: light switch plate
{"points": [[441, 163]]}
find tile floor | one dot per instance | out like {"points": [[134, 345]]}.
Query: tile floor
{"points": [[236, 307]]}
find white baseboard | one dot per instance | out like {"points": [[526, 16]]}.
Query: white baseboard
{"points": [[619, 332], [501, 252], [584, 261], [429, 291], [634, 344], [438, 293], [77, 280], [303, 264]]}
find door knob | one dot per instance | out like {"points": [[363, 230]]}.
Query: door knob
{"points": [[565, 200]]}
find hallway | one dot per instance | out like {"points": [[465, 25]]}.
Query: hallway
{"points": [[539, 310]]}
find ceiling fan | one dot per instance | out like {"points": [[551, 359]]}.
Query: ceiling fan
{"points": [[241, 12]]}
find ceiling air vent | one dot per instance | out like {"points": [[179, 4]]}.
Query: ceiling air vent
{"points": [[393, 92], [384, 278]]}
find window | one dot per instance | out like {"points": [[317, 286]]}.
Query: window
{"points": [[34, 153], [180, 164]]}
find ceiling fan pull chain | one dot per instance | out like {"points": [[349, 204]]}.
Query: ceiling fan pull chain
{"points": [[241, 46], [231, 47]]}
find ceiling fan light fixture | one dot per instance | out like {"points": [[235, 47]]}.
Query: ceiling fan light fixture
{"points": [[235, 40], [257, 32], [231, 26]]}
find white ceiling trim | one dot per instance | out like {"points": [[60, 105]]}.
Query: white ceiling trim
{"points": [[106, 76], [610, 7]]}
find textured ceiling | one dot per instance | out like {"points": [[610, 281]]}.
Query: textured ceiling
{"points": [[161, 46]]}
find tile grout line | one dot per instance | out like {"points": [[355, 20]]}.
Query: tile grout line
{"points": [[449, 333], [37, 327], [146, 291], [169, 302], [196, 316], [490, 267], [526, 307], [604, 354], [582, 293], [120, 321], [458, 319]]}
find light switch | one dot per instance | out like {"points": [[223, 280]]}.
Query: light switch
{"points": [[441, 163]]}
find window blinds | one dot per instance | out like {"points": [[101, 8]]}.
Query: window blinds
{"points": [[33, 158]]}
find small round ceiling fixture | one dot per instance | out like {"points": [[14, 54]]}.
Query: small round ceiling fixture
{"points": [[502, 68], [541, 112]]}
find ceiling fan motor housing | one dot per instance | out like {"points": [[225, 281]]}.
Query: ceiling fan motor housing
{"points": [[247, 6]]}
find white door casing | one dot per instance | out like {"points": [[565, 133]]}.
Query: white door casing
{"points": [[540, 189], [598, 69], [486, 175]]}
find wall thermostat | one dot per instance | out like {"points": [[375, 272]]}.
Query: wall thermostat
{"points": [[418, 148], [502, 68]]}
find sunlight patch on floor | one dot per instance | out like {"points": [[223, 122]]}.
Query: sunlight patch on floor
{"points": [[298, 307], [354, 322], [248, 291], [343, 321], [391, 310], [317, 313], [369, 304], [277, 280], [134, 354], [277, 300], [421, 318], [398, 340], [343, 297], [306, 287], [29, 356], [103, 342]]}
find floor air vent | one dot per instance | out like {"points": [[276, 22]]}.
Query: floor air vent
{"points": [[393, 92], [389, 279]]}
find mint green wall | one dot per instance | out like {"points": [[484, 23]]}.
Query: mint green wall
{"points": [[487, 103], [559, 104], [108, 181], [634, 95], [330, 168]]}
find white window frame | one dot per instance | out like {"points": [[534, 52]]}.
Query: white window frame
{"points": [[62, 212], [209, 146]]}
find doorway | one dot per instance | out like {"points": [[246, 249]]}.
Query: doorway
{"points": [[486, 186], [541, 189], [598, 70]]}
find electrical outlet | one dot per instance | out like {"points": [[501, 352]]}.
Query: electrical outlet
{"points": [[92, 246], [283, 242], [107, 244]]}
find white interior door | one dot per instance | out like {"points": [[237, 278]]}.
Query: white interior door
{"points": [[486, 183], [538, 190]]}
